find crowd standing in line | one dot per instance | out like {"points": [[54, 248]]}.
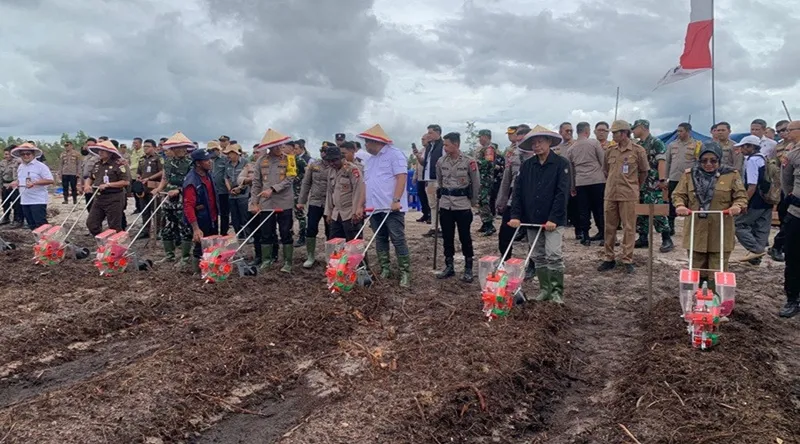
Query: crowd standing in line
{"points": [[544, 178]]}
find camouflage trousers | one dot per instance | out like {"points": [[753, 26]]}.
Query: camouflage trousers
{"points": [[660, 223], [484, 210], [299, 215], [175, 230]]}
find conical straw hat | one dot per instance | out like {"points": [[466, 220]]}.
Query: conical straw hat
{"points": [[539, 131], [26, 147], [105, 145], [377, 134], [178, 140], [272, 138]]}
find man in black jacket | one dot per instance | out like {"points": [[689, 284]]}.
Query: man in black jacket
{"points": [[540, 197], [433, 151]]}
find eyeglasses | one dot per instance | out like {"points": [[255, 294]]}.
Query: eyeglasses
{"points": [[709, 161]]}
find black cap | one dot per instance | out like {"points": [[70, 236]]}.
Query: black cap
{"points": [[340, 136], [333, 153], [200, 154]]}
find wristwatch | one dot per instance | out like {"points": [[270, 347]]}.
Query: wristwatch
{"points": [[396, 201]]}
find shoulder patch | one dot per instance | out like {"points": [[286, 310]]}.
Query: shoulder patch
{"points": [[356, 173], [122, 169], [473, 166]]}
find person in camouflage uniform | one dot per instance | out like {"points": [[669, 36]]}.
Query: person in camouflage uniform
{"points": [[175, 230], [486, 155], [653, 188], [300, 215]]}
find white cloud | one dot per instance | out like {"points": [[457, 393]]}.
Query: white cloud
{"points": [[310, 68]]}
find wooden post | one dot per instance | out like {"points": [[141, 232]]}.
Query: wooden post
{"points": [[651, 210]]}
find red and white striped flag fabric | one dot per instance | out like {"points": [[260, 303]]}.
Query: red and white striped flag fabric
{"points": [[696, 56]]}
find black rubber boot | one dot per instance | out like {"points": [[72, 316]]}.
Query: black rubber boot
{"points": [[467, 277], [791, 309], [642, 242], [530, 271], [301, 239], [666, 243], [586, 240], [448, 271]]}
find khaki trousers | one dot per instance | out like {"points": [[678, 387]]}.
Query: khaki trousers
{"points": [[617, 212], [430, 190], [708, 263]]}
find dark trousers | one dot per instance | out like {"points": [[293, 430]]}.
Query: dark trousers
{"points": [[197, 250], [452, 220], [780, 238], [67, 183], [11, 194], [139, 202], [506, 235], [146, 212], [283, 221], [35, 215], [224, 208], [240, 216], [344, 229], [791, 247], [313, 216], [589, 199], [394, 228], [110, 207], [573, 215], [672, 214], [425, 205], [493, 197], [88, 197]]}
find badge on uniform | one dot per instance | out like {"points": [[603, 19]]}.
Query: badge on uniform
{"points": [[148, 168], [625, 168], [122, 169], [356, 173], [473, 165]]}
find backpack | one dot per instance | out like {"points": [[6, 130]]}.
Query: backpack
{"points": [[769, 180]]}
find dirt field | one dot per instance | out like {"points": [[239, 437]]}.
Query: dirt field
{"points": [[159, 357]]}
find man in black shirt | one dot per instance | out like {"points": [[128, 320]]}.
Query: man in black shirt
{"points": [[540, 197]]}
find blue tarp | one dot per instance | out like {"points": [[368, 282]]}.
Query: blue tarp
{"points": [[667, 138]]}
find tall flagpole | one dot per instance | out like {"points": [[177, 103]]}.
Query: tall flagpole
{"points": [[713, 67]]}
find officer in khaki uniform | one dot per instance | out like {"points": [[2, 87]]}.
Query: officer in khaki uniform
{"points": [[89, 161], [626, 167], [148, 173], [273, 176], [710, 186], [514, 159], [110, 177], [70, 169], [8, 174], [313, 195], [459, 186], [344, 202], [681, 154]]}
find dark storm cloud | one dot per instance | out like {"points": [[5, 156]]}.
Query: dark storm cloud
{"points": [[135, 68], [605, 44]]}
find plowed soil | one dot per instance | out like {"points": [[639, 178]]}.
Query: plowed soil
{"points": [[161, 357]]}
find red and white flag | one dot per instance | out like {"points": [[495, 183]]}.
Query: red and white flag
{"points": [[696, 56]]}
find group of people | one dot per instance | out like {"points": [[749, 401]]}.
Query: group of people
{"points": [[574, 180], [542, 183]]}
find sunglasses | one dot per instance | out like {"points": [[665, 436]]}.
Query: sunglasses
{"points": [[709, 161]]}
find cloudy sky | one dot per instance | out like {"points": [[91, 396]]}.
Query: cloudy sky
{"points": [[310, 68]]}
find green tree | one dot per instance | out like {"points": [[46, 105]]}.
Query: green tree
{"points": [[470, 142]]}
